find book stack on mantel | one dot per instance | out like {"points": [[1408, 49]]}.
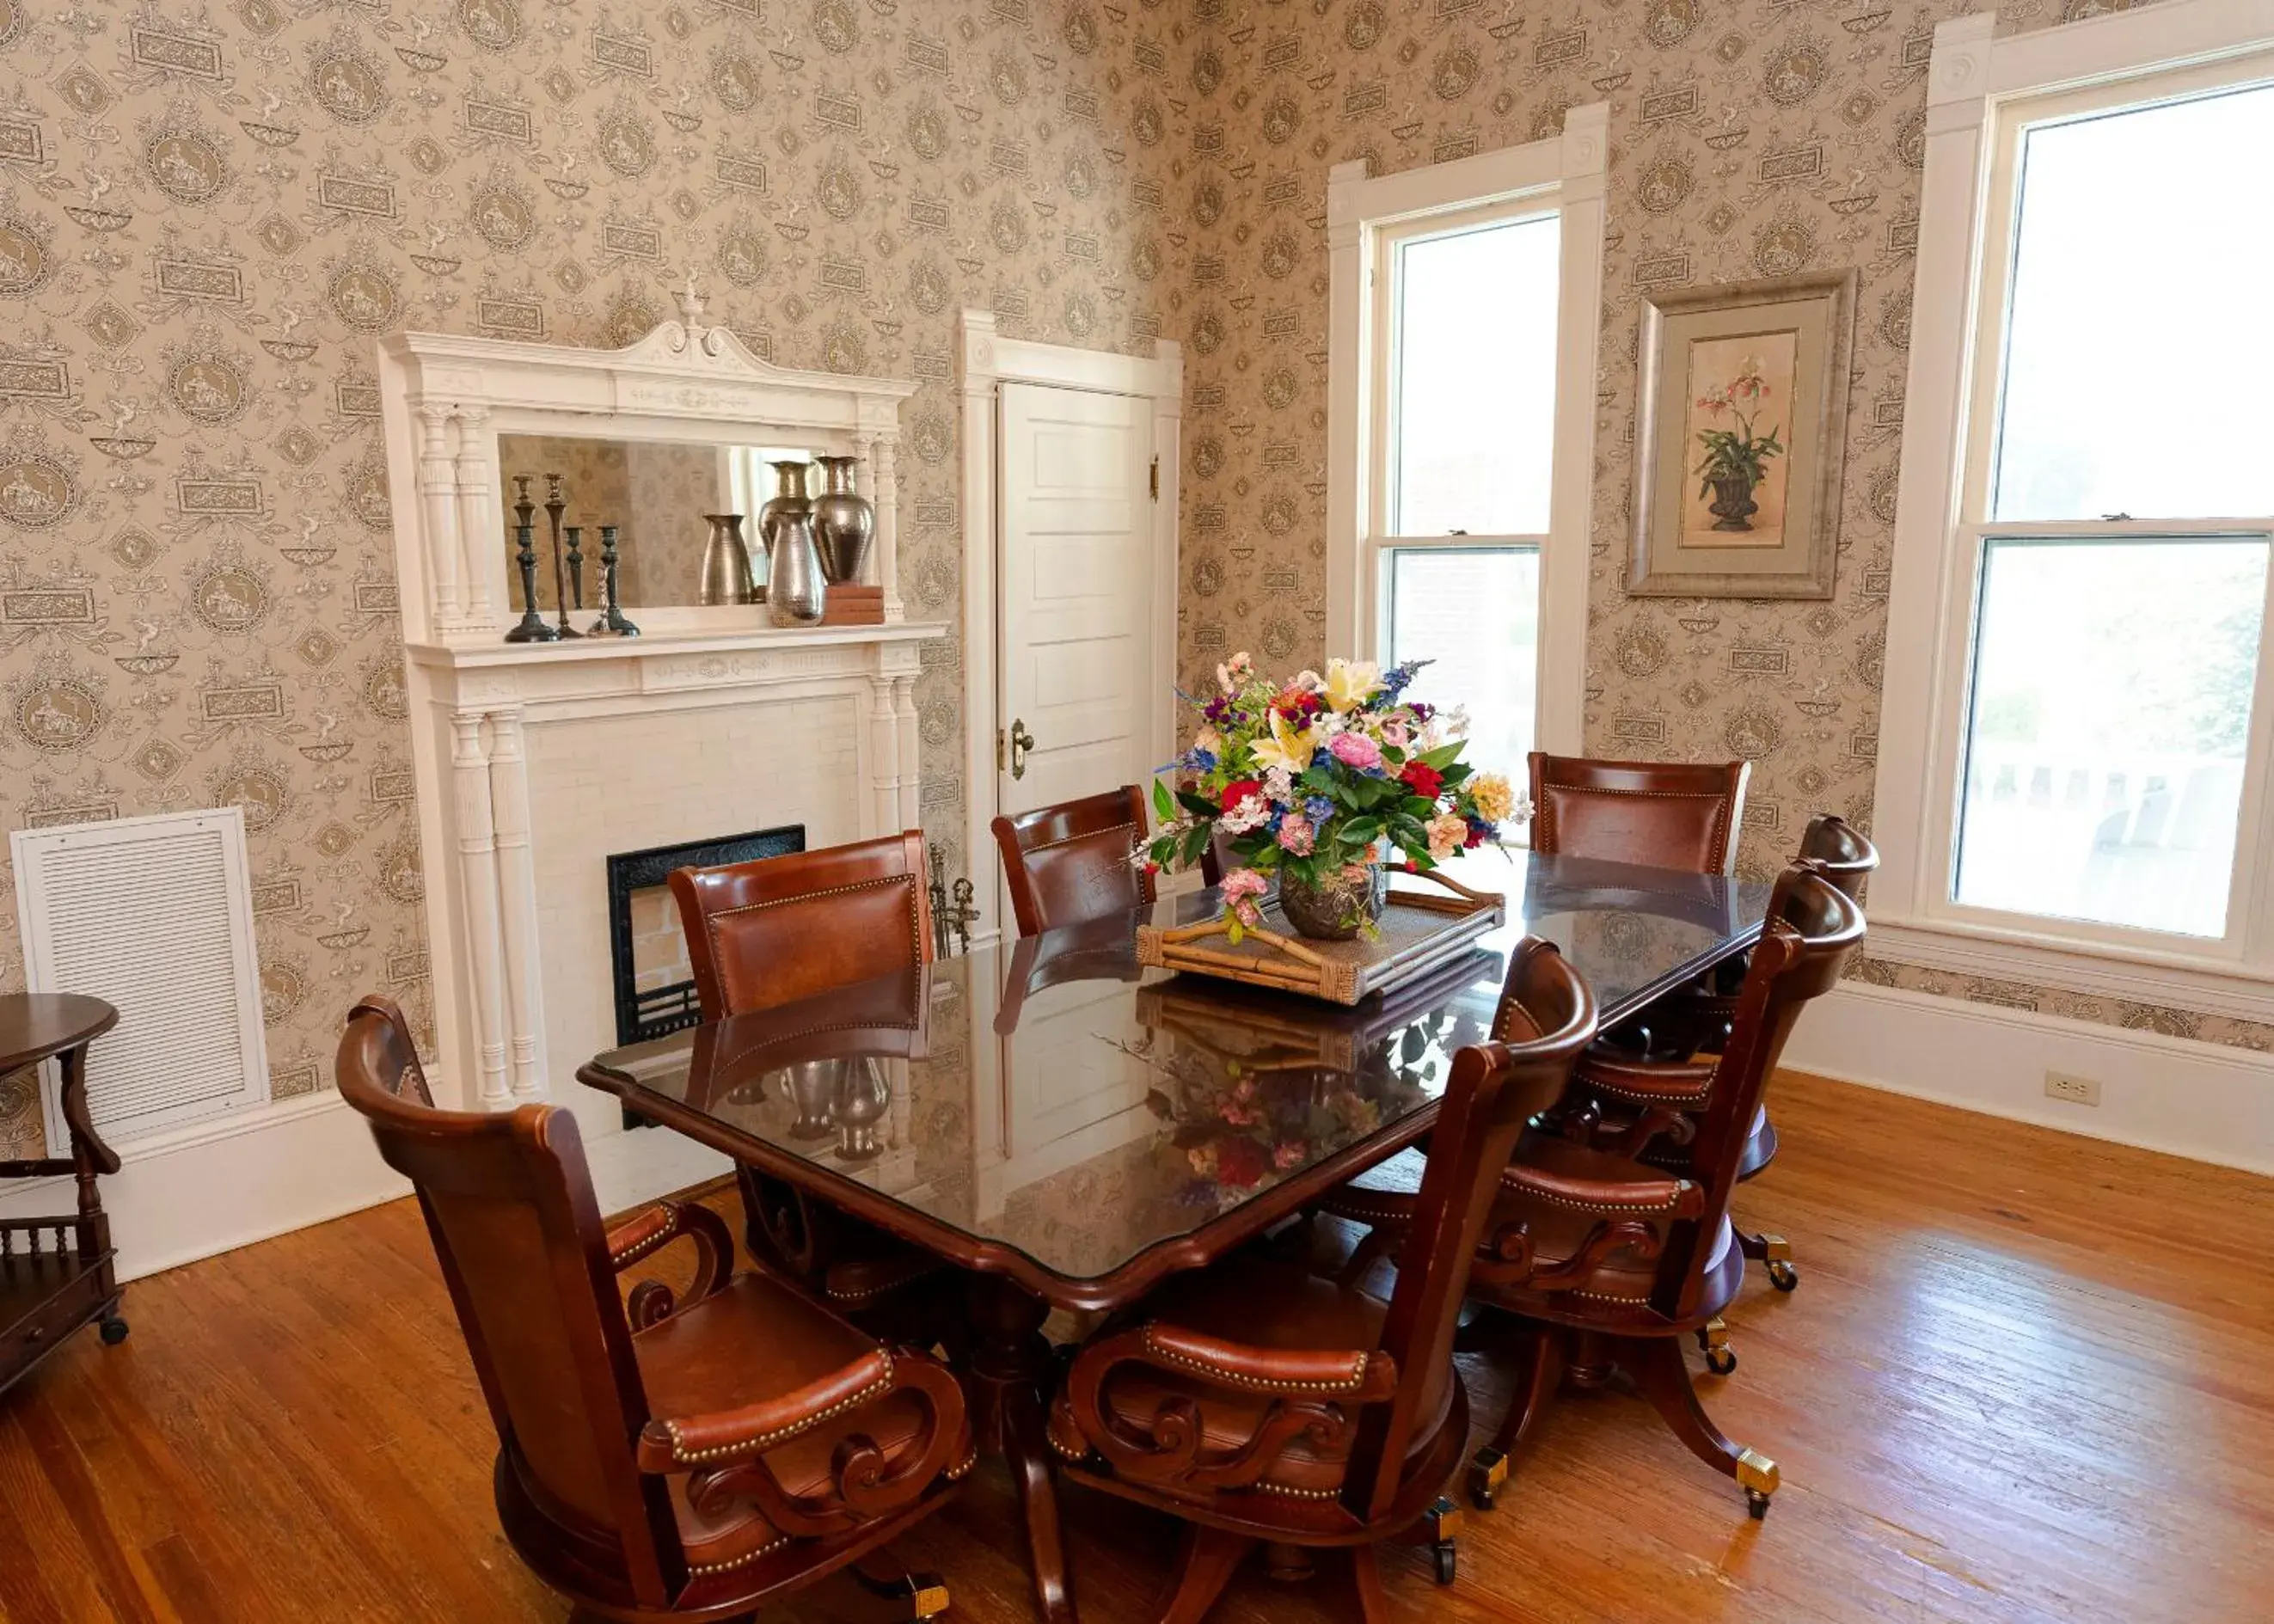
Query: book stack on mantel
{"points": [[849, 605]]}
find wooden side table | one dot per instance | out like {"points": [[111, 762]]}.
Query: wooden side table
{"points": [[57, 1273]]}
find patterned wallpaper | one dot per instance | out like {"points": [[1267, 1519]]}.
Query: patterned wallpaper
{"points": [[209, 213]]}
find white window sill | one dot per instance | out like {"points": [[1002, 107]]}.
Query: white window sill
{"points": [[2210, 985]]}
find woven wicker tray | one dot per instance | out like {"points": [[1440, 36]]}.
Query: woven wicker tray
{"points": [[1418, 931]]}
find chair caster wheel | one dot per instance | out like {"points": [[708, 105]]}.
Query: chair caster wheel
{"points": [[1784, 1276], [1445, 1561], [1756, 1505], [1720, 1361], [113, 1332], [1487, 1473]]}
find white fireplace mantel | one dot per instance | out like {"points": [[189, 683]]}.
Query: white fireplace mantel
{"points": [[535, 761]]}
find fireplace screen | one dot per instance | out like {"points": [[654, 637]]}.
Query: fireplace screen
{"points": [[654, 980]]}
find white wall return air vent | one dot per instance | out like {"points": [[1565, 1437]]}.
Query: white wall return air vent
{"points": [[155, 915]]}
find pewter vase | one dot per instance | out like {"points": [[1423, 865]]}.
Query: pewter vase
{"points": [[796, 593], [844, 520], [726, 562]]}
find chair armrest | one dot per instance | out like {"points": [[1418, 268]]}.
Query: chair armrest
{"points": [[681, 1443], [1645, 1082], [1312, 1393], [723, 1450], [1286, 1372], [647, 1233], [1650, 1198]]}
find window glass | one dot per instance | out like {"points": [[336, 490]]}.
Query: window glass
{"points": [[2109, 718], [1472, 412], [1474, 611], [2138, 336]]}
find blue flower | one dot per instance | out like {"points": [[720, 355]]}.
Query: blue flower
{"points": [[1319, 808]]}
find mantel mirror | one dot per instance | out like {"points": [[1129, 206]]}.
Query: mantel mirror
{"points": [[662, 497]]}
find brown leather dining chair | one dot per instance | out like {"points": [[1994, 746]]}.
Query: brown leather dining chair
{"points": [[1600, 1260], [1619, 1105], [1668, 815], [1262, 1402], [779, 930], [660, 1455], [1071, 861]]}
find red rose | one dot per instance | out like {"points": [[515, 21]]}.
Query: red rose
{"points": [[1245, 789], [1423, 779], [1239, 1163]]}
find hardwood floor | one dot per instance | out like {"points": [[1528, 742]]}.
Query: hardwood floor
{"points": [[2025, 1376]]}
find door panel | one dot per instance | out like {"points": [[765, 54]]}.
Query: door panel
{"points": [[1076, 578]]}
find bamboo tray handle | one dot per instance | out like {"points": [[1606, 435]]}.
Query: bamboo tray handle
{"points": [[1216, 927], [1454, 886]]}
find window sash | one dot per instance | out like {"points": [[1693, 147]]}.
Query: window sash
{"points": [[2248, 937], [1382, 310]]}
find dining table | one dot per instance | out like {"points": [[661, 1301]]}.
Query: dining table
{"points": [[1066, 1128]]}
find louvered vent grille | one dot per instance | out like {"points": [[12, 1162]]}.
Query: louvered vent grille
{"points": [[155, 915]]}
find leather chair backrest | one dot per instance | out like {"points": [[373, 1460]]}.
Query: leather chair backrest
{"points": [[509, 1205], [1069, 862], [782, 929], [1670, 815], [1846, 856], [1546, 1015], [1812, 929]]}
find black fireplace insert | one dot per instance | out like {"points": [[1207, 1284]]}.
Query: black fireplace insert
{"points": [[641, 1015]]}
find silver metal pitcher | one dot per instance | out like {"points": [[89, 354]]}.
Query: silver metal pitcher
{"points": [[844, 520], [726, 562], [797, 593]]}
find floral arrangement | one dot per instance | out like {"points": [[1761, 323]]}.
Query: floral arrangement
{"points": [[1313, 778], [1738, 454]]}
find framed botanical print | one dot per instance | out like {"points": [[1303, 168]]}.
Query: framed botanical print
{"points": [[1741, 422]]}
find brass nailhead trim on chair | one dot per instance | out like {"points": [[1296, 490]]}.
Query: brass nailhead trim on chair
{"points": [[915, 929], [699, 1570], [1357, 1378], [780, 1434]]}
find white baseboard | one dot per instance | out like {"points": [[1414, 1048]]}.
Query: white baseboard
{"points": [[216, 1186], [2203, 1101]]}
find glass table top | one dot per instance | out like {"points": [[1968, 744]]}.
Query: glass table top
{"points": [[1052, 1098]]}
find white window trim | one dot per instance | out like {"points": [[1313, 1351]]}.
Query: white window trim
{"points": [[1563, 173], [1972, 77]]}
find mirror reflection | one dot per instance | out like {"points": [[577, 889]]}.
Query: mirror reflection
{"points": [[659, 497]]}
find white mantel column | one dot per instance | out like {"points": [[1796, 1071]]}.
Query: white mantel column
{"points": [[438, 502], [477, 520], [883, 813], [910, 751], [478, 885], [886, 459], [517, 890]]}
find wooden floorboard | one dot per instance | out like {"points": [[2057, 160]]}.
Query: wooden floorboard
{"points": [[2025, 1377]]}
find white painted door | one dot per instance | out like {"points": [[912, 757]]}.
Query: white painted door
{"points": [[1077, 664]]}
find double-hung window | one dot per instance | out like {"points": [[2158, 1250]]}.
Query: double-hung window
{"points": [[2076, 729], [1465, 310]]}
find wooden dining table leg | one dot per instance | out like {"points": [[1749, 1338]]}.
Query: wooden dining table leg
{"points": [[1012, 1370]]}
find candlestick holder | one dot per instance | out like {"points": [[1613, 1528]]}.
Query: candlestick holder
{"points": [[575, 535], [555, 505], [532, 627], [612, 622]]}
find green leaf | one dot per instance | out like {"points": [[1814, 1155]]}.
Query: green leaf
{"points": [[1198, 805], [1358, 831], [1443, 756], [1195, 842], [1162, 802]]}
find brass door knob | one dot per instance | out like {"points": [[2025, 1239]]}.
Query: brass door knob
{"points": [[1021, 741]]}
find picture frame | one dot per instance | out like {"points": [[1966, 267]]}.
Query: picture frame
{"points": [[1741, 429]]}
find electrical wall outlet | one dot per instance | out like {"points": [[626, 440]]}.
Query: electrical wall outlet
{"points": [[2074, 1089]]}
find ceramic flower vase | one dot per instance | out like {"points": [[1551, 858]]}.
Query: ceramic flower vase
{"points": [[1337, 908]]}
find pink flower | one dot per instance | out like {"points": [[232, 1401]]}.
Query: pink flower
{"points": [[1295, 834], [1244, 883], [1291, 1154], [1356, 751]]}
